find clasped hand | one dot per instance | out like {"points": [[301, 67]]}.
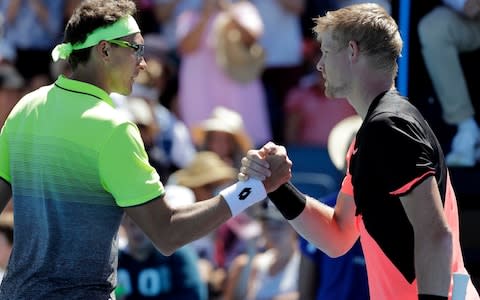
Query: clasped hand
{"points": [[270, 164]]}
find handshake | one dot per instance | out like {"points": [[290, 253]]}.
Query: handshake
{"points": [[272, 166]]}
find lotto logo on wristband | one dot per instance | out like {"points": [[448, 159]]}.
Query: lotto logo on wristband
{"points": [[244, 193]]}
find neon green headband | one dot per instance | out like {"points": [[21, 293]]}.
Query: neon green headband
{"points": [[122, 27]]}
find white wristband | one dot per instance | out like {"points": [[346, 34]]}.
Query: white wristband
{"points": [[243, 194]]}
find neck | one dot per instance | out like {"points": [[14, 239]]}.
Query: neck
{"points": [[90, 75], [364, 92]]}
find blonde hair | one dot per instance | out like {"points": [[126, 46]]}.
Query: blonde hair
{"points": [[370, 25]]}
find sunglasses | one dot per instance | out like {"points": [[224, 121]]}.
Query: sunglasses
{"points": [[139, 48]]}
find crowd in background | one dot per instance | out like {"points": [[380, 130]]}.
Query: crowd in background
{"points": [[223, 77]]}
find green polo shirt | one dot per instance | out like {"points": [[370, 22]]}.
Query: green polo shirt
{"points": [[73, 163]]}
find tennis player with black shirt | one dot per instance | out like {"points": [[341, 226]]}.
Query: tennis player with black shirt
{"points": [[397, 195]]}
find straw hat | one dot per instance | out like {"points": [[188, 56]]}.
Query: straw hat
{"points": [[224, 120], [340, 138], [207, 167], [241, 62]]}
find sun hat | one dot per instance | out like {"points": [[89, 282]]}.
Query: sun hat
{"points": [[240, 61], [207, 167], [138, 111], [340, 138], [224, 120], [177, 195]]}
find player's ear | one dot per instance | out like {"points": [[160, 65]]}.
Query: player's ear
{"points": [[353, 51], [103, 49]]}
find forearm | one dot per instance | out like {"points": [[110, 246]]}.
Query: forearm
{"points": [[321, 226], [170, 228], [433, 260], [192, 40], [189, 223]]}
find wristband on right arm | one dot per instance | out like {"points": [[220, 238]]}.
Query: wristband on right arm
{"points": [[288, 200], [243, 194]]}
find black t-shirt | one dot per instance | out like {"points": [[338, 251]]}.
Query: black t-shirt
{"points": [[394, 151]]}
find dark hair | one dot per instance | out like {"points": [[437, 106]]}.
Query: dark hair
{"points": [[90, 15]]}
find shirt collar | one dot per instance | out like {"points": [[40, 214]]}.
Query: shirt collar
{"points": [[83, 88]]}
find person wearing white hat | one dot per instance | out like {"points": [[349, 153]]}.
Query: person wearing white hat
{"points": [[223, 133]]}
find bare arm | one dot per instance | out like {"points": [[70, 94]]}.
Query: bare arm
{"points": [[433, 238], [294, 6], [234, 277], [192, 40], [170, 228], [5, 194], [307, 287], [332, 230]]}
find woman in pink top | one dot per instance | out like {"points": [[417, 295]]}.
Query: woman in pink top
{"points": [[204, 84]]}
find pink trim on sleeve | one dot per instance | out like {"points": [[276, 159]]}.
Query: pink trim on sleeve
{"points": [[404, 189]]}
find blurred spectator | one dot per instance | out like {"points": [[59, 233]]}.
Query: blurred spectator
{"points": [[140, 112], [282, 40], [32, 29], [166, 13], [386, 4], [344, 277], [153, 84], [6, 240], [206, 176], [12, 86], [144, 273], [146, 16], [444, 33], [68, 9], [210, 75], [272, 274], [224, 134], [310, 115], [172, 143]]}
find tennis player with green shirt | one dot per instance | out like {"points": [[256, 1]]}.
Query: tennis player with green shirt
{"points": [[73, 167]]}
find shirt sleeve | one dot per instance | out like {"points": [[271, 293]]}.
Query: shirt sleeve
{"points": [[347, 186], [4, 157], [124, 168], [400, 155]]}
